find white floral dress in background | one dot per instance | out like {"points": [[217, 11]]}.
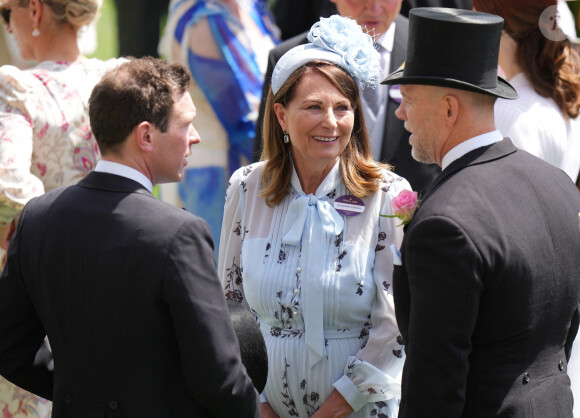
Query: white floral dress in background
{"points": [[45, 136], [323, 299]]}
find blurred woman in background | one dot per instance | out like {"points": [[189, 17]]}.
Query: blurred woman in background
{"points": [[225, 45], [541, 63]]}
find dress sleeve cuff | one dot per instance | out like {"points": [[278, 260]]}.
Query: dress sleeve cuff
{"points": [[350, 393], [363, 383]]}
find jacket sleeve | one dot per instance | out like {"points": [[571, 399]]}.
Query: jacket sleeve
{"points": [[17, 183], [445, 279], [209, 349], [25, 357], [374, 374]]}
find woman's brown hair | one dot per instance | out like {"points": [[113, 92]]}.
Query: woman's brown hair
{"points": [[553, 67], [361, 174]]}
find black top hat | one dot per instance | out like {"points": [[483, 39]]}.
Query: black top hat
{"points": [[453, 48]]}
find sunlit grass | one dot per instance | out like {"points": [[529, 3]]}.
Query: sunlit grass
{"points": [[107, 34]]}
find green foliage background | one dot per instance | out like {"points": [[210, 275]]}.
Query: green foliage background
{"points": [[107, 34], [575, 7]]}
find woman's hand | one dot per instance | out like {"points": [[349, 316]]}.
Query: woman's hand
{"points": [[334, 407], [267, 411]]}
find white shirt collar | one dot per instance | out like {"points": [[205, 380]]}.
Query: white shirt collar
{"points": [[122, 170], [387, 39], [460, 150]]}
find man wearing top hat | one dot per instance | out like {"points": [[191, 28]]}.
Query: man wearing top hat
{"points": [[487, 294]]}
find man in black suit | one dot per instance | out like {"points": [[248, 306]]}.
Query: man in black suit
{"points": [[487, 294], [389, 140], [124, 285]]}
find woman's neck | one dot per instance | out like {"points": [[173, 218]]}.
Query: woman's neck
{"points": [[57, 43], [311, 177]]}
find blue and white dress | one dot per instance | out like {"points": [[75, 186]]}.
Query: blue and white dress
{"points": [[226, 49], [319, 283]]}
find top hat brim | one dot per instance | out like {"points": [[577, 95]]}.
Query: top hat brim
{"points": [[503, 89]]}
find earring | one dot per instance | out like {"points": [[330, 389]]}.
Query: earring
{"points": [[35, 32], [286, 137]]}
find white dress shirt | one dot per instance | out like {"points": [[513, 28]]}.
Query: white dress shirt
{"points": [[460, 150], [122, 170]]}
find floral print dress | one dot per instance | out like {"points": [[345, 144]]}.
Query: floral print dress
{"points": [[45, 136], [319, 283], [45, 142]]}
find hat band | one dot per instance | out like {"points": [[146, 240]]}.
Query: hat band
{"points": [[486, 79]]}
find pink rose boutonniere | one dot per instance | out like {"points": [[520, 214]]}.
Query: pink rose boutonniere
{"points": [[404, 206]]}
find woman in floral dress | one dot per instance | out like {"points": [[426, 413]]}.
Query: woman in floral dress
{"points": [[304, 243], [45, 136]]}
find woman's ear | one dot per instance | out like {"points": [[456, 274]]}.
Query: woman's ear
{"points": [[280, 112], [36, 11]]}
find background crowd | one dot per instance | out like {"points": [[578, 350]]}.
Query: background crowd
{"points": [[45, 85]]}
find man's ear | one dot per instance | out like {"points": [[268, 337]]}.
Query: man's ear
{"points": [[144, 134], [451, 107]]}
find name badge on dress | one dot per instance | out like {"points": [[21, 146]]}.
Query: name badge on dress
{"points": [[349, 205]]}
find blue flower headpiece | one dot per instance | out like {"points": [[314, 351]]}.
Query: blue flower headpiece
{"points": [[339, 40]]}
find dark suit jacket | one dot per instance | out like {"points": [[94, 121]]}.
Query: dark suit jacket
{"points": [[456, 4], [396, 149], [489, 288], [126, 288]]}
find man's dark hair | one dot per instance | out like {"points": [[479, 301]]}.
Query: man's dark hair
{"points": [[139, 90]]}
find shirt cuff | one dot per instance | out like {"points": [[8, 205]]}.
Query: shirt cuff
{"points": [[263, 397], [350, 393]]}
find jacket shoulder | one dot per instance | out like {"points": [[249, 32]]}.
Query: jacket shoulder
{"points": [[402, 25]]}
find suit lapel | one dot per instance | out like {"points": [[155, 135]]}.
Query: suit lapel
{"points": [[113, 183], [480, 155], [399, 52], [393, 130]]}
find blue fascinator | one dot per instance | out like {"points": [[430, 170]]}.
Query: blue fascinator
{"points": [[339, 40]]}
